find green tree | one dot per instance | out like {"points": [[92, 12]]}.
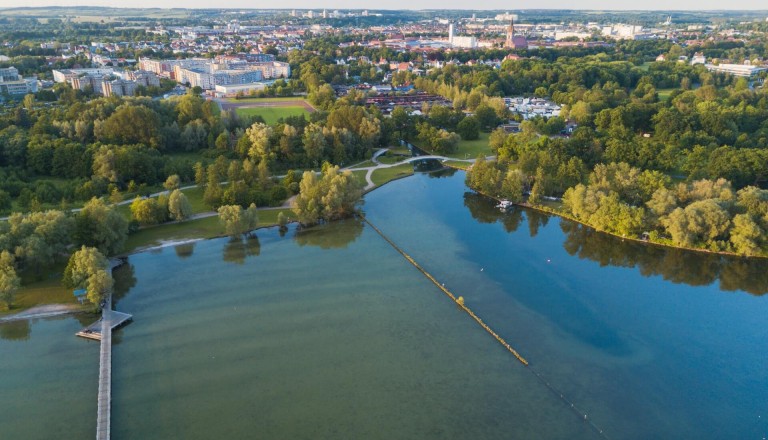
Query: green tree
{"points": [[178, 206], [89, 269], [213, 191], [131, 124], [468, 128], [236, 220], [746, 235], [100, 226], [146, 211], [9, 281], [334, 196], [105, 164], [200, 177], [172, 182], [512, 186], [486, 117], [261, 146]]}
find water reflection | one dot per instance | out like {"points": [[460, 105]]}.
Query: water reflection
{"points": [[442, 172], [238, 248], [678, 266], [675, 265], [16, 330], [536, 220], [125, 279], [185, 250], [334, 235], [482, 209]]}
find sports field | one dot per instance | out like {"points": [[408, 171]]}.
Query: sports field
{"points": [[272, 114]]}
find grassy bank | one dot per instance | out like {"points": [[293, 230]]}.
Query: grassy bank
{"points": [[208, 227], [48, 290], [384, 175]]}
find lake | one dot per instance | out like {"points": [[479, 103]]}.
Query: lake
{"points": [[330, 333]]}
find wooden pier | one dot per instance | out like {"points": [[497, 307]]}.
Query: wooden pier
{"points": [[104, 405], [101, 331], [95, 330]]}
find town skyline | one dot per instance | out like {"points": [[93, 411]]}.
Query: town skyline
{"points": [[587, 5]]}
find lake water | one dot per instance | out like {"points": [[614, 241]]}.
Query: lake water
{"points": [[330, 333]]}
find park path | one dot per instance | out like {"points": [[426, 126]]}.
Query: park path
{"points": [[368, 174]]}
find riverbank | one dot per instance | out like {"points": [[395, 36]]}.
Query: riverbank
{"points": [[45, 311], [204, 226], [569, 217]]}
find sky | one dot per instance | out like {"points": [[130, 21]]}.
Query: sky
{"points": [[413, 4]]}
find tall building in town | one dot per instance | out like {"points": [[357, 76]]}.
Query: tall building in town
{"points": [[513, 42]]}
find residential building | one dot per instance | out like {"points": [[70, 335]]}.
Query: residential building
{"points": [[230, 90], [743, 70], [12, 83]]}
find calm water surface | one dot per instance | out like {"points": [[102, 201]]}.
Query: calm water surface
{"points": [[329, 333], [48, 380]]}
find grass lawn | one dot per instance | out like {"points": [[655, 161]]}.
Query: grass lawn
{"points": [[39, 293], [36, 291], [360, 176], [664, 94], [272, 114], [275, 99], [390, 159], [364, 164], [469, 149], [457, 164], [400, 150], [384, 175]]}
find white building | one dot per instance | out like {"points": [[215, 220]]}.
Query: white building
{"points": [[698, 58], [12, 83], [743, 70], [65, 75], [230, 90], [464, 42]]}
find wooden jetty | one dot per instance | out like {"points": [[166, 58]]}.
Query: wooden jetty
{"points": [[95, 330], [104, 403], [101, 331]]}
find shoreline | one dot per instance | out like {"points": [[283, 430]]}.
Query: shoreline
{"points": [[637, 240], [66, 309], [44, 311]]}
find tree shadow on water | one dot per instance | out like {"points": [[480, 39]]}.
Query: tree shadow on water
{"points": [[16, 330], [333, 235], [676, 265], [237, 249], [184, 250]]}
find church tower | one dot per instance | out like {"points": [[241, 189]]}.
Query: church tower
{"points": [[510, 43], [513, 42]]}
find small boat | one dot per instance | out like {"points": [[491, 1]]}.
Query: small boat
{"points": [[504, 205]]}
